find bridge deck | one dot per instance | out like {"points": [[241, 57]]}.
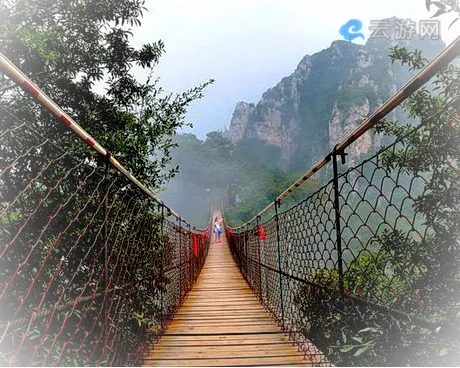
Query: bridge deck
{"points": [[222, 323]]}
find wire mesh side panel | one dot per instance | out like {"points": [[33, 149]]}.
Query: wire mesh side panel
{"points": [[270, 277], [89, 264], [298, 250], [397, 256], [378, 208], [254, 274], [369, 264], [182, 267], [308, 254]]}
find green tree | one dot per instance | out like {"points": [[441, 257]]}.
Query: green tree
{"points": [[67, 47], [411, 268], [54, 218], [431, 150], [233, 174]]}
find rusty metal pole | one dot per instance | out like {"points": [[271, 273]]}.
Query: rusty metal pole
{"points": [[278, 240]]}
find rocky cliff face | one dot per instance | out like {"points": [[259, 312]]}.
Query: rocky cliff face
{"points": [[240, 118], [325, 98]]}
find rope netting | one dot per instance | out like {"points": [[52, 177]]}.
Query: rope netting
{"points": [[367, 267], [391, 281], [91, 267]]}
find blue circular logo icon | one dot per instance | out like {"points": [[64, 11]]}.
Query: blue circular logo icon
{"points": [[353, 25]]}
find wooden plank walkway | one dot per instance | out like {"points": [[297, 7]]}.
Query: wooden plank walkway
{"points": [[222, 323]]}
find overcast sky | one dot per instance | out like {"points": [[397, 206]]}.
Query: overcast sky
{"points": [[248, 46]]}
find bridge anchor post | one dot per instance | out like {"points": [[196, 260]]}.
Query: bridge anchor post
{"points": [[337, 216], [180, 261], [278, 241], [163, 250], [259, 265]]}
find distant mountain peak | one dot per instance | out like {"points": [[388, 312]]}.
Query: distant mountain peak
{"points": [[325, 97]]}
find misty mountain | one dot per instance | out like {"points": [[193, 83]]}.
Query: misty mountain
{"points": [[300, 119], [217, 171], [269, 144]]}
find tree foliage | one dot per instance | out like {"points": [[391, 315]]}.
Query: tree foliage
{"points": [[415, 274], [68, 48], [55, 220], [234, 175]]}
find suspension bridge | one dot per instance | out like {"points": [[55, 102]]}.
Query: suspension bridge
{"points": [[223, 323], [95, 270]]}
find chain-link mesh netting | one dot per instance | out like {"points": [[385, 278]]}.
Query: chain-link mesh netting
{"points": [[91, 267], [360, 267]]}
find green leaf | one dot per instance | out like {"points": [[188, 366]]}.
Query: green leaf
{"points": [[359, 339], [35, 334], [368, 329], [363, 350], [443, 351], [346, 348]]}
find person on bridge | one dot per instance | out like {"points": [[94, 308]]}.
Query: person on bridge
{"points": [[217, 229]]}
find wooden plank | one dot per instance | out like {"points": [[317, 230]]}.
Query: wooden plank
{"points": [[222, 314], [228, 355], [222, 344], [221, 323], [228, 362], [197, 330], [229, 350], [221, 338], [236, 314], [234, 322]]}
